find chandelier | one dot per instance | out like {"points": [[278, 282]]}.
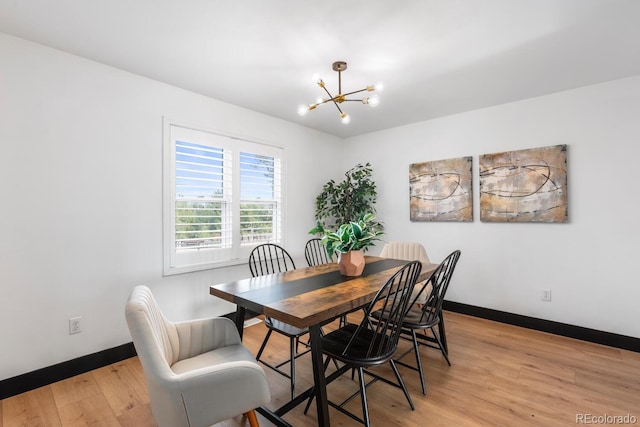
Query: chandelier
{"points": [[340, 66]]}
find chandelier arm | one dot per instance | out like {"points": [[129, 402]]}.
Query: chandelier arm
{"points": [[337, 106], [328, 93], [356, 91], [332, 98]]}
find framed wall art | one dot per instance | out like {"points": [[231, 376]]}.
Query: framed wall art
{"points": [[524, 185], [441, 190]]}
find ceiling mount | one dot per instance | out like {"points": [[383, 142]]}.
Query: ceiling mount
{"points": [[340, 66]]}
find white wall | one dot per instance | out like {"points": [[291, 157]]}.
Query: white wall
{"points": [[589, 263], [81, 174], [81, 180]]}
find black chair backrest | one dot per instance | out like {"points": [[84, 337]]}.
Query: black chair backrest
{"points": [[439, 281], [380, 338], [269, 258], [316, 253]]}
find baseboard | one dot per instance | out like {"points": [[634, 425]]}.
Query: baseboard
{"points": [[61, 371], [41, 377], [557, 328]]}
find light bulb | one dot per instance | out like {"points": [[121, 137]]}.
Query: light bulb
{"points": [[316, 78], [374, 101], [345, 118], [303, 109], [378, 86], [319, 100]]}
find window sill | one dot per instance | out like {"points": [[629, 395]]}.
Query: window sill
{"points": [[171, 271]]}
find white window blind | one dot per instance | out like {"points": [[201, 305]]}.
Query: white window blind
{"points": [[259, 199], [203, 195], [222, 197]]}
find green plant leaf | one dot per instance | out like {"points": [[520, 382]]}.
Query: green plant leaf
{"points": [[348, 200]]}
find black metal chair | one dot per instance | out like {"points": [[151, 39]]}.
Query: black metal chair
{"points": [[269, 258], [408, 251], [370, 344], [423, 317], [316, 253], [266, 259]]}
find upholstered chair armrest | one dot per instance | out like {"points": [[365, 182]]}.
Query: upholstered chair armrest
{"points": [[208, 392], [203, 335], [221, 385]]}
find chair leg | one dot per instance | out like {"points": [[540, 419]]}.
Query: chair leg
{"points": [[363, 397], [264, 343], [307, 344], [442, 349], [401, 383], [292, 353], [253, 419], [416, 350], [343, 321], [308, 405], [443, 336]]}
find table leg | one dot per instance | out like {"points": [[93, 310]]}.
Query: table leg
{"points": [[319, 381], [240, 311]]}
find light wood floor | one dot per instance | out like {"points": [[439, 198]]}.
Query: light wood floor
{"points": [[501, 375]]}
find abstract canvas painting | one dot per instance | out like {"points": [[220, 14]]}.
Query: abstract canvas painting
{"points": [[441, 190], [524, 185]]}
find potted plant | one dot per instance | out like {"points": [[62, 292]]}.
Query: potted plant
{"points": [[350, 241], [349, 200]]}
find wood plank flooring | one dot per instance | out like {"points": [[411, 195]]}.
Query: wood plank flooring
{"points": [[501, 375]]}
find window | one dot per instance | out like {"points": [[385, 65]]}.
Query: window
{"points": [[222, 197]]}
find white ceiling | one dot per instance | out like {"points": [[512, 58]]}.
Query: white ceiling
{"points": [[435, 57]]}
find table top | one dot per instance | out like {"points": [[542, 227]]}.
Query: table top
{"points": [[313, 295]]}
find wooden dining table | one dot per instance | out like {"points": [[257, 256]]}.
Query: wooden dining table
{"points": [[309, 298]]}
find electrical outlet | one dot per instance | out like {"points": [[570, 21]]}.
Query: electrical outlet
{"points": [[75, 325], [546, 295]]}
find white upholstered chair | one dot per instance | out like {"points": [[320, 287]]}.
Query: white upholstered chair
{"points": [[197, 372], [408, 251]]}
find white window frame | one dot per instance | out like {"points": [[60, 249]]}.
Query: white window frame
{"points": [[201, 259]]}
